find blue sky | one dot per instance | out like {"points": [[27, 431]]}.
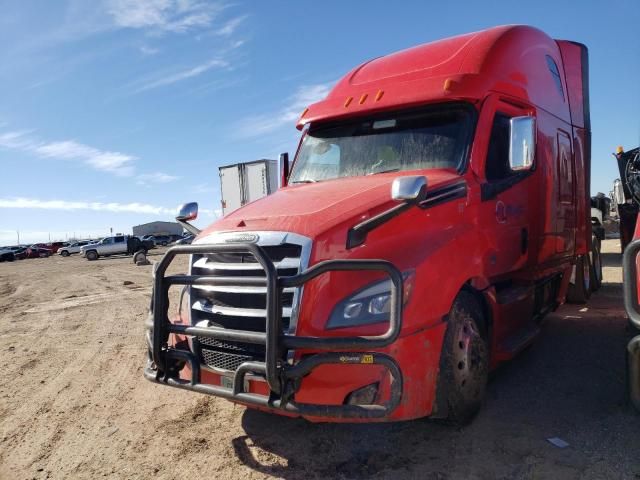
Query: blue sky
{"points": [[113, 112]]}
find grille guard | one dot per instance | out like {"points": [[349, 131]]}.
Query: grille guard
{"points": [[282, 378]]}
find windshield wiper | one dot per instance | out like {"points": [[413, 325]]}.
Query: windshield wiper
{"points": [[304, 181], [383, 171]]}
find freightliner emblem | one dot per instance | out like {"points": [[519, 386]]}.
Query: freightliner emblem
{"points": [[243, 238]]}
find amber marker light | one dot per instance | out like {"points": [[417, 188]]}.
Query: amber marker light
{"points": [[379, 95], [363, 98], [348, 101]]}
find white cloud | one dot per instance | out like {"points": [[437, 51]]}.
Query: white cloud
{"points": [[34, 203], [176, 16], [182, 75], [146, 50], [305, 95], [105, 161], [230, 27], [156, 177]]}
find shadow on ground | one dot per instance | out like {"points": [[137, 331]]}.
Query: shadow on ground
{"points": [[569, 384]]}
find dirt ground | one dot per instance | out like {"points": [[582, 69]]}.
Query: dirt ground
{"points": [[73, 403]]}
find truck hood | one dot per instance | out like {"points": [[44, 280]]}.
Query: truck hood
{"points": [[313, 208]]}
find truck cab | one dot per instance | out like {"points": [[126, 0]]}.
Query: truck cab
{"points": [[437, 208]]}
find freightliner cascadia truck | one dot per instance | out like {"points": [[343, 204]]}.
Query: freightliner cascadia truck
{"points": [[436, 209]]}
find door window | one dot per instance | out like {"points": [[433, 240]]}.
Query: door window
{"points": [[498, 154]]}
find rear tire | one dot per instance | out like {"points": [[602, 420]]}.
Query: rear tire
{"points": [[464, 362], [580, 291], [596, 264], [92, 255]]}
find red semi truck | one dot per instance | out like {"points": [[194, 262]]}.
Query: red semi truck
{"points": [[436, 209]]}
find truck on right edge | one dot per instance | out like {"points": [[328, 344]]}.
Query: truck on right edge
{"points": [[436, 210], [628, 205]]}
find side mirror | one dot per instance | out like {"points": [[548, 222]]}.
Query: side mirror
{"points": [[522, 143], [411, 189], [283, 163], [188, 211]]}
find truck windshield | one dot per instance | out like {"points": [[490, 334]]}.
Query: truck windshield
{"points": [[437, 137]]}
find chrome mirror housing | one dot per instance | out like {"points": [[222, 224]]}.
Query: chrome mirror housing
{"points": [[522, 143], [411, 189], [188, 211]]}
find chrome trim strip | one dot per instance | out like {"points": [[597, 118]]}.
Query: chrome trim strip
{"points": [[204, 262], [234, 311], [237, 289]]}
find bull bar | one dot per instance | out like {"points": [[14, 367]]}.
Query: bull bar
{"points": [[283, 378]]}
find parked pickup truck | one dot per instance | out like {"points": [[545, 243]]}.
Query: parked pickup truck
{"points": [[116, 245], [73, 248]]}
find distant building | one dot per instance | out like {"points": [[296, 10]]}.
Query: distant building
{"points": [[157, 228]]}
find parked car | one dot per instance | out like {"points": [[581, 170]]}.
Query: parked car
{"points": [[7, 255], [158, 240], [37, 250], [20, 252], [72, 248], [118, 244], [55, 246]]}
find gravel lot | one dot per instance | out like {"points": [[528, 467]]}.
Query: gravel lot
{"points": [[73, 403]]}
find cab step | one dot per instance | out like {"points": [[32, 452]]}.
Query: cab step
{"points": [[515, 343]]}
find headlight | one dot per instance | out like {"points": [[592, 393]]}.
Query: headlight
{"points": [[370, 305]]}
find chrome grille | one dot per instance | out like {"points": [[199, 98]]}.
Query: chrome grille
{"points": [[242, 307]]}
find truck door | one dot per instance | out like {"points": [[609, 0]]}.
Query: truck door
{"points": [[119, 245], [256, 181], [506, 198], [230, 188], [565, 181]]}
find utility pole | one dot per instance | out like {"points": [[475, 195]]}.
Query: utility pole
{"points": [[18, 232]]}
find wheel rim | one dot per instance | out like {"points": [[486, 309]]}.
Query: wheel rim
{"points": [[470, 360]]}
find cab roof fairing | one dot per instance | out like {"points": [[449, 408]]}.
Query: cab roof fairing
{"points": [[506, 59]]}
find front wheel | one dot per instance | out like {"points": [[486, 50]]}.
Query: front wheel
{"points": [[92, 255], [464, 362], [64, 253]]}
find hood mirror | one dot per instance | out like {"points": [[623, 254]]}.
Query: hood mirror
{"points": [[412, 189], [283, 162], [188, 211]]}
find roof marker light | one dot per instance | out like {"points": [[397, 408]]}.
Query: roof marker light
{"points": [[448, 83], [363, 98], [306, 110], [347, 102], [379, 95]]}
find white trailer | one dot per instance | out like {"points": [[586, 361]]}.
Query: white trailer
{"points": [[242, 183]]}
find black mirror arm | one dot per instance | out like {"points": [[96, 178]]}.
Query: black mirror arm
{"points": [[188, 227]]}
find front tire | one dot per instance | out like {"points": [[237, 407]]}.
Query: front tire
{"points": [[64, 253], [464, 362], [92, 255]]}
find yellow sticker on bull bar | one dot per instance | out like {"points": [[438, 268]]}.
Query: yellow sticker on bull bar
{"points": [[367, 358]]}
